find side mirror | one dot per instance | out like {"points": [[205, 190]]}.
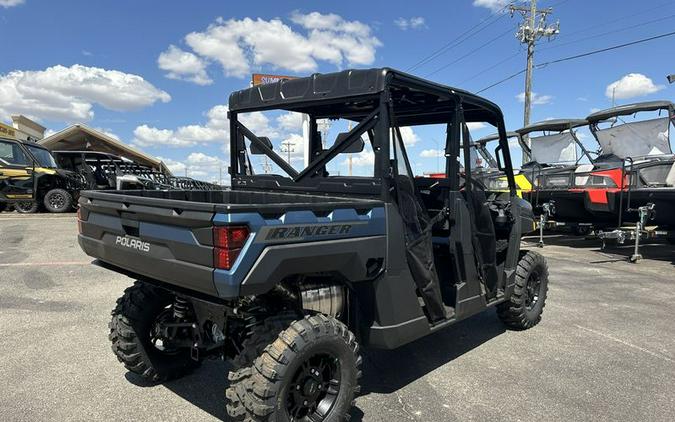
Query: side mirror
{"points": [[256, 150], [356, 147]]}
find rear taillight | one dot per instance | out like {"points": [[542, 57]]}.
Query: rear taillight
{"points": [[79, 220], [227, 242]]}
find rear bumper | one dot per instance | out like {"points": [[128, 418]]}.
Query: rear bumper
{"points": [[165, 268]]}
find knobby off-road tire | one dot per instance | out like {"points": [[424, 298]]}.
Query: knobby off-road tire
{"points": [[314, 358], [58, 200], [26, 207], [130, 333], [525, 307]]}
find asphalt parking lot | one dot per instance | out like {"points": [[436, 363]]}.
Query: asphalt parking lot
{"points": [[605, 349]]}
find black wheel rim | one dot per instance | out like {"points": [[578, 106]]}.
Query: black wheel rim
{"points": [[532, 290], [314, 388], [57, 200], [24, 206]]}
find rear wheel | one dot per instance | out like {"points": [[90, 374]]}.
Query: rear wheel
{"points": [[524, 308], [137, 340], [309, 372], [26, 207], [58, 200]]}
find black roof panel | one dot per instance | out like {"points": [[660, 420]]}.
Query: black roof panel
{"points": [[554, 125], [347, 84], [628, 109]]}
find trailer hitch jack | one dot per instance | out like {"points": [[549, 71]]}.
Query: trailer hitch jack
{"points": [[547, 209]]}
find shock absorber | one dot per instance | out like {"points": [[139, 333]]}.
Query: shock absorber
{"points": [[180, 308]]}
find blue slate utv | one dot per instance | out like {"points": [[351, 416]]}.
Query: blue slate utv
{"points": [[288, 274]]}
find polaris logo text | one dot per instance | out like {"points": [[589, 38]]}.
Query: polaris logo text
{"points": [[308, 231], [128, 242]]}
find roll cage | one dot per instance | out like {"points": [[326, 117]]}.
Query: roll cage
{"points": [[379, 101]]}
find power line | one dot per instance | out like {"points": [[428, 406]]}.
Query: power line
{"points": [[633, 15], [473, 51], [602, 50], [578, 56], [629, 16], [461, 38], [610, 32], [511, 57]]}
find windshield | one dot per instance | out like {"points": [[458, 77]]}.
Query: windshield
{"points": [[636, 139], [43, 156], [559, 148]]}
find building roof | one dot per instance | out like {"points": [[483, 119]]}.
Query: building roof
{"points": [[20, 119], [80, 137], [554, 125], [628, 109]]}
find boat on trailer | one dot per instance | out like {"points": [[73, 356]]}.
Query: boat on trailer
{"points": [[638, 155], [561, 184]]}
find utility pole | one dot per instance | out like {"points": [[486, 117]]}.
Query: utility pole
{"points": [[288, 147], [532, 28]]}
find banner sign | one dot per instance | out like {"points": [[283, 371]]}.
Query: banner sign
{"points": [[261, 78]]}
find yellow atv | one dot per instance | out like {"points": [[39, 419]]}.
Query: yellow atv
{"points": [[30, 178]]}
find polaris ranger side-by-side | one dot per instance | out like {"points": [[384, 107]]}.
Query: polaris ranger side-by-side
{"points": [[288, 275]]}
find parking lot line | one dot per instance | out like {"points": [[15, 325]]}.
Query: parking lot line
{"points": [[625, 343]]}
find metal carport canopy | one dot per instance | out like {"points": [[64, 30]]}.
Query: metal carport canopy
{"points": [[80, 137]]}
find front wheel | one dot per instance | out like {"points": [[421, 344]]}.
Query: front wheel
{"points": [[309, 372], [524, 308], [26, 207], [58, 200]]}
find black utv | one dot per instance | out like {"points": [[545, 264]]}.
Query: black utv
{"points": [[289, 274], [31, 179]]}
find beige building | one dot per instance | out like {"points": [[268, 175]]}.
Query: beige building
{"points": [[23, 128]]}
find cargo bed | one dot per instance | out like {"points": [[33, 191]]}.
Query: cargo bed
{"points": [[167, 236]]}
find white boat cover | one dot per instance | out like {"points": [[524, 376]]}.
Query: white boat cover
{"points": [[636, 139], [559, 148]]}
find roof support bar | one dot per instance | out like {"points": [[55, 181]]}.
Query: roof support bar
{"points": [[365, 125], [268, 151]]}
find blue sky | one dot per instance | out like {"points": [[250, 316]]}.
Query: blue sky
{"points": [[158, 73]]}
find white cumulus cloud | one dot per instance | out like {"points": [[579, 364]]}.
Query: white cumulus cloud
{"points": [[494, 5], [291, 121], [632, 85], [432, 153], [180, 64], [239, 45], [216, 129], [198, 166], [536, 99], [415, 22], [11, 3], [410, 138], [69, 93]]}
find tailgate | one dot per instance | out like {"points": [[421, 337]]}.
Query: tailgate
{"points": [[170, 241]]}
